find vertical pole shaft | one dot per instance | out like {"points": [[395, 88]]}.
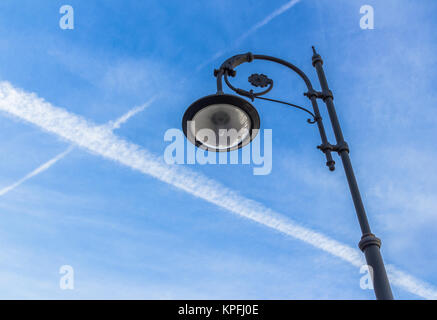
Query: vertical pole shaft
{"points": [[369, 244], [329, 162]]}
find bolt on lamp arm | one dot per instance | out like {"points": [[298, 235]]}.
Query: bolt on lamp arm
{"points": [[260, 80]]}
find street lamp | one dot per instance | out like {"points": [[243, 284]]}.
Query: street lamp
{"points": [[220, 112]]}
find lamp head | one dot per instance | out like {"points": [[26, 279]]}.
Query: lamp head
{"points": [[220, 122]]}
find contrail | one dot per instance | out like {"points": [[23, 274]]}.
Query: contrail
{"points": [[410, 283], [117, 123], [267, 19], [102, 141], [38, 170], [252, 30], [112, 124]]}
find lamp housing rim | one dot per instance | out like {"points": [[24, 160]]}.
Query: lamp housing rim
{"points": [[222, 98]]}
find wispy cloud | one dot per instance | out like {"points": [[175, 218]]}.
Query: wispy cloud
{"points": [[252, 30], [102, 141], [112, 125]]}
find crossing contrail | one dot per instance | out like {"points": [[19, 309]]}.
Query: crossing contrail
{"points": [[252, 30], [38, 170], [117, 123], [102, 141], [267, 19], [112, 124], [124, 118]]}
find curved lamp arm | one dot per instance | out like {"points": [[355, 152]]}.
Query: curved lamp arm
{"points": [[260, 80]]}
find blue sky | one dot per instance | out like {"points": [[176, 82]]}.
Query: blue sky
{"points": [[132, 235]]}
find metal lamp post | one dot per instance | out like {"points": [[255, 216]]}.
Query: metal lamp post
{"points": [[224, 111]]}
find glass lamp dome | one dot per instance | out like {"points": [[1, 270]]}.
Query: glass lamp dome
{"points": [[221, 122]]}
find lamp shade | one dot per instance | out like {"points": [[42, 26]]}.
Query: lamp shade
{"points": [[221, 122]]}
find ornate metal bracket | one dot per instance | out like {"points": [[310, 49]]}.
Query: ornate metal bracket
{"points": [[257, 80], [319, 95], [334, 148], [229, 65], [260, 80]]}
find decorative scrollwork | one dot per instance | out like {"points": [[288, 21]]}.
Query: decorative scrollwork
{"points": [[250, 94], [260, 80]]}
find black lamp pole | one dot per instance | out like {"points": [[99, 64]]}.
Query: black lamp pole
{"points": [[369, 244]]}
